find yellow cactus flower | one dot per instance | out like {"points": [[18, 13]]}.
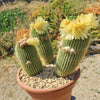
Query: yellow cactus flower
{"points": [[79, 28], [80, 17], [33, 15], [25, 35], [91, 21], [33, 41], [64, 22], [40, 25], [32, 25]]}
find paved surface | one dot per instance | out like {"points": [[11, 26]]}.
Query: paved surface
{"points": [[87, 87]]}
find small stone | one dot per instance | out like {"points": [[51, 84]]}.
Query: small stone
{"points": [[49, 81]]}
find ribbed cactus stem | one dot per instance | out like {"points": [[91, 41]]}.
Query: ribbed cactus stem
{"points": [[69, 59], [44, 47], [29, 59]]}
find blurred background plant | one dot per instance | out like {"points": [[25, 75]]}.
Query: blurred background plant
{"points": [[7, 43], [20, 33], [8, 40], [95, 9], [35, 12], [96, 33], [10, 21], [9, 18], [54, 46]]}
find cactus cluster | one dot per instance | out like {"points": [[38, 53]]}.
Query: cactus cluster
{"points": [[34, 50]]}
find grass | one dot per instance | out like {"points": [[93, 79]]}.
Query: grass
{"points": [[10, 94], [84, 67], [97, 72], [85, 77], [90, 61], [22, 5], [96, 90], [10, 22]]}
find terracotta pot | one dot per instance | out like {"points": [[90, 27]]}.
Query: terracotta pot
{"points": [[59, 93]]}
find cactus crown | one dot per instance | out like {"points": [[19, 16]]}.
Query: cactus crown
{"points": [[25, 41], [40, 25], [78, 29]]}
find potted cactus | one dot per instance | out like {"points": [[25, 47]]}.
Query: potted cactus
{"points": [[75, 39]]}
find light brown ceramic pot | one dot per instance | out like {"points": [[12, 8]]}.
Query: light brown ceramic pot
{"points": [[60, 93]]}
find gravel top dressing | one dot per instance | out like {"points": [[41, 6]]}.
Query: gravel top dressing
{"points": [[46, 79]]}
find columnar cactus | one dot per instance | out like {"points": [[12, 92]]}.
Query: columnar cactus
{"points": [[27, 55], [70, 54], [39, 30], [74, 43]]}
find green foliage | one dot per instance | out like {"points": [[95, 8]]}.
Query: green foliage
{"points": [[9, 18], [95, 33], [54, 47], [7, 42], [67, 7], [62, 8], [43, 12], [10, 21], [56, 3]]}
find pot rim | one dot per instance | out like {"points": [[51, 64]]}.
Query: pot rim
{"points": [[48, 90]]}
